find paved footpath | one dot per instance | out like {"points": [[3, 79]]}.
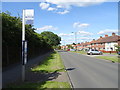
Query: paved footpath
{"points": [[14, 73]]}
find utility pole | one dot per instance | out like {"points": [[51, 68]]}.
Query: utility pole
{"points": [[75, 39]]}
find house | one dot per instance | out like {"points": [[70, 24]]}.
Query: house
{"points": [[110, 42], [64, 47], [105, 44]]}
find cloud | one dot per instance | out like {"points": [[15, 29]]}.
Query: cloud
{"points": [[78, 3], [78, 25], [44, 5], [107, 31], [59, 6], [63, 34], [85, 38], [51, 9], [64, 12], [83, 33], [47, 27], [66, 5]]}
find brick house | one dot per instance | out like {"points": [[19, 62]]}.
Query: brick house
{"points": [[110, 42], [64, 47], [105, 44]]}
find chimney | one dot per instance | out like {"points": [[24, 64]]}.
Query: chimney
{"points": [[100, 36], [106, 35], [113, 34]]}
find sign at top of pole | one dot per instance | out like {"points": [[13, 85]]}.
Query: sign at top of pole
{"points": [[29, 16]]}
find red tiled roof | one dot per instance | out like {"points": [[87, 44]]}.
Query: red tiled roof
{"points": [[109, 39], [93, 41], [106, 39]]}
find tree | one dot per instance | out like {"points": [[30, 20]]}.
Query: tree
{"points": [[118, 48], [51, 38], [74, 44], [12, 39]]}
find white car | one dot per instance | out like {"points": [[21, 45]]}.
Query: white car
{"points": [[94, 51]]}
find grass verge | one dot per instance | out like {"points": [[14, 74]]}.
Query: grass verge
{"points": [[43, 85], [81, 52], [111, 58], [51, 64], [111, 53]]}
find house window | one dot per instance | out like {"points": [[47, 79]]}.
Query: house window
{"points": [[108, 43], [111, 49]]}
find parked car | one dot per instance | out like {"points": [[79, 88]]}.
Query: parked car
{"points": [[119, 53], [94, 51], [68, 49], [72, 49]]}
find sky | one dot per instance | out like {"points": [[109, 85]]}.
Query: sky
{"points": [[69, 19]]}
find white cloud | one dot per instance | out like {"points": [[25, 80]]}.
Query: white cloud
{"points": [[59, 6], [44, 0], [85, 38], [51, 9], [83, 33], [107, 31], [47, 27], [66, 5], [64, 12], [44, 5], [78, 3], [78, 25], [63, 34]]}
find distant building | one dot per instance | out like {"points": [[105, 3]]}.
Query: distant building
{"points": [[105, 44]]}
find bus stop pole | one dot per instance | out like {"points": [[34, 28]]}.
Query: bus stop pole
{"points": [[23, 39]]}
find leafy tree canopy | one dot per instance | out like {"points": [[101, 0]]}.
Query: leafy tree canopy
{"points": [[51, 38]]}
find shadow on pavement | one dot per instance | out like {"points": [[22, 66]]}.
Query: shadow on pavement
{"points": [[70, 69], [41, 77]]}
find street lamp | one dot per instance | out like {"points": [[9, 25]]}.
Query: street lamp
{"points": [[75, 39]]}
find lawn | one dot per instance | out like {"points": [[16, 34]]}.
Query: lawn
{"points": [[111, 53], [51, 64], [42, 86], [111, 58], [81, 52]]}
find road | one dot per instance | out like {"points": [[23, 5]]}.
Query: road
{"points": [[89, 72]]}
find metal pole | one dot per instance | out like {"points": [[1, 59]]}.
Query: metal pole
{"points": [[23, 39], [76, 40]]}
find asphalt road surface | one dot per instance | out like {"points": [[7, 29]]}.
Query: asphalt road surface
{"points": [[89, 72]]}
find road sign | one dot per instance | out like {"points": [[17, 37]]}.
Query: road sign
{"points": [[24, 58], [29, 16]]}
